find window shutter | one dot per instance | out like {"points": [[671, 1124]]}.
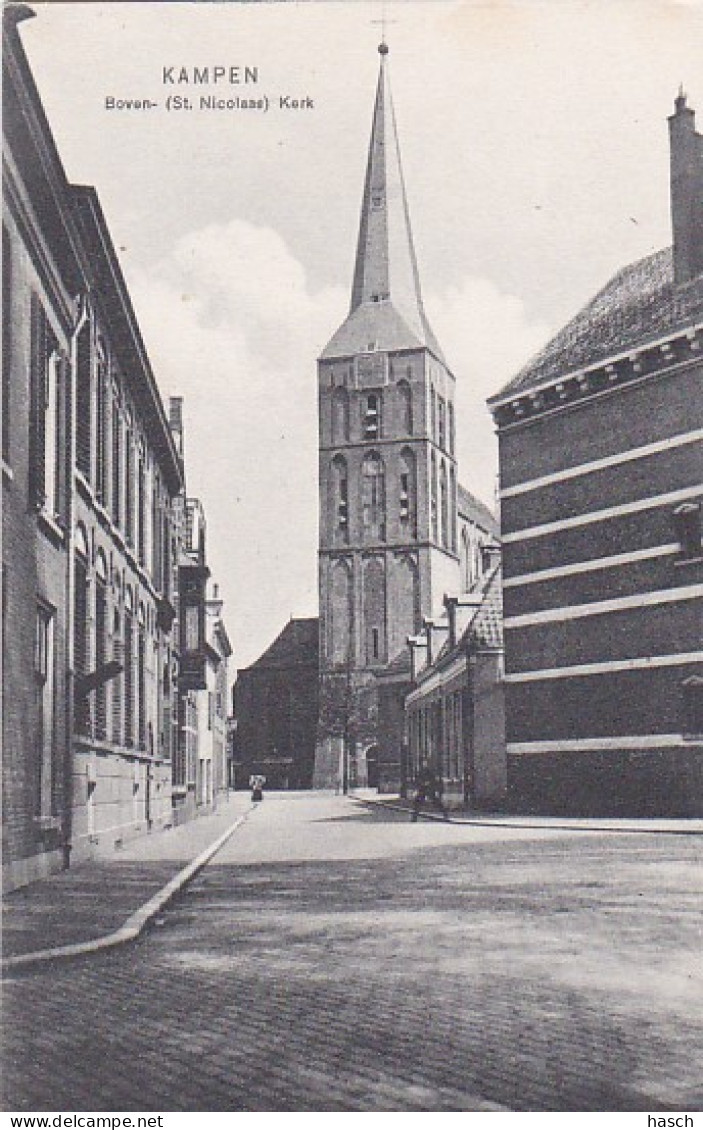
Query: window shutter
{"points": [[37, 406]]}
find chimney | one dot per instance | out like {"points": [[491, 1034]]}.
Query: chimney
{"points": [[437, 635], [686, 150], [460, 612], [418, 655], [175, 420]]}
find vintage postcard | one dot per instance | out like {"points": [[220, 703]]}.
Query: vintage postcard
{"points": [[352, 584]]}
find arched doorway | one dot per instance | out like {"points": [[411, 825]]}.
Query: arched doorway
{"points": [[372, 774]]}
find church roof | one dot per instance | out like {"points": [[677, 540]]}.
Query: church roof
{"points": [[639, 305], [386, 303], [476, 511], [296, 646]]}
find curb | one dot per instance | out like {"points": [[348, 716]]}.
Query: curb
{"points": [[477, 822], [135, 925]]}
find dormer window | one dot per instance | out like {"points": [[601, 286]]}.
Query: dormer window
{"points": [[377, 199]]}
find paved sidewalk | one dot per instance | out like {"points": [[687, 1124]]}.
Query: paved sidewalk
{"points": [[678, 826], [95, 898]]}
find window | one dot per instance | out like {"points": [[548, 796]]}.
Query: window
{"points": [[405, 414], [340, 415], [373, 498], [687, 523], [101, 464], [42, 642], [442, 428], [129, 673], [404, 496], [693, 706], [433, 412], [81, 656], [340, 498], [433, 495], [44, 667], [84, 400], [141, 510], [101, 646], [375, 643], [141, 682], [129, 485], [407, 506], [116, 465], [192, 627], [452, 509], [450, 420], [118, 656], [443, 506], [371, 416], [6, 342], [46, 420]]}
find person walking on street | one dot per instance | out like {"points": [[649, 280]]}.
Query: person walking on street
{"points": [[427, 789], [256, 784]]}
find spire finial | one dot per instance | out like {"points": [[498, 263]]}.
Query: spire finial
{"points": [[680, 101], [384, 21]]}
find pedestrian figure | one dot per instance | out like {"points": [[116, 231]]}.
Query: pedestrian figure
{"points": [[428, 790], [256, 784]]}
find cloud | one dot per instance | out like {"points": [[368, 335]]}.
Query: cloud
{"points": [[486, 336], [234, 326]]}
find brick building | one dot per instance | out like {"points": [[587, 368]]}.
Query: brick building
{"points": [[90, 472], [601, 466], [389, 530], [276, 708]]}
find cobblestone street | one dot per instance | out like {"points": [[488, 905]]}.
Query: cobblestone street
{"points": [[337, 958]]}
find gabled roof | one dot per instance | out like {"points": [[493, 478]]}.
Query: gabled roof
{"points": [[296, 646], [386, 302], [474, 510], [486, 628], [640, 304]]}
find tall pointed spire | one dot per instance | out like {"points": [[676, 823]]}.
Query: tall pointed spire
{"points": [[386, 301]]}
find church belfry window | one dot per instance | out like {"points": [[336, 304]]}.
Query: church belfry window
{"points": [[371, 415], [407, 496], [373, 498], [443, 506], [340, 415], [405, 408], [442, 423], [340, 499], [433, 495]]}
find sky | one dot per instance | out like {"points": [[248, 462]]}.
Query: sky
{"points": [[534, 142]]}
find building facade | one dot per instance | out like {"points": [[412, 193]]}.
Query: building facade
{"points": [[90, 473], [601, 467], [212, 772], [455, 711], [389, 539], [276, 709]]}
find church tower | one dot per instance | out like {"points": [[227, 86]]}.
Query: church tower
{"points": [[388, 482]]}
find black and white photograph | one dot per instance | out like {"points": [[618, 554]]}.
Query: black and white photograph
{"points": [[352, 560]]}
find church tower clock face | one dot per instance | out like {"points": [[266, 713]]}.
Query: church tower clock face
{"points": [[387, 470]]}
